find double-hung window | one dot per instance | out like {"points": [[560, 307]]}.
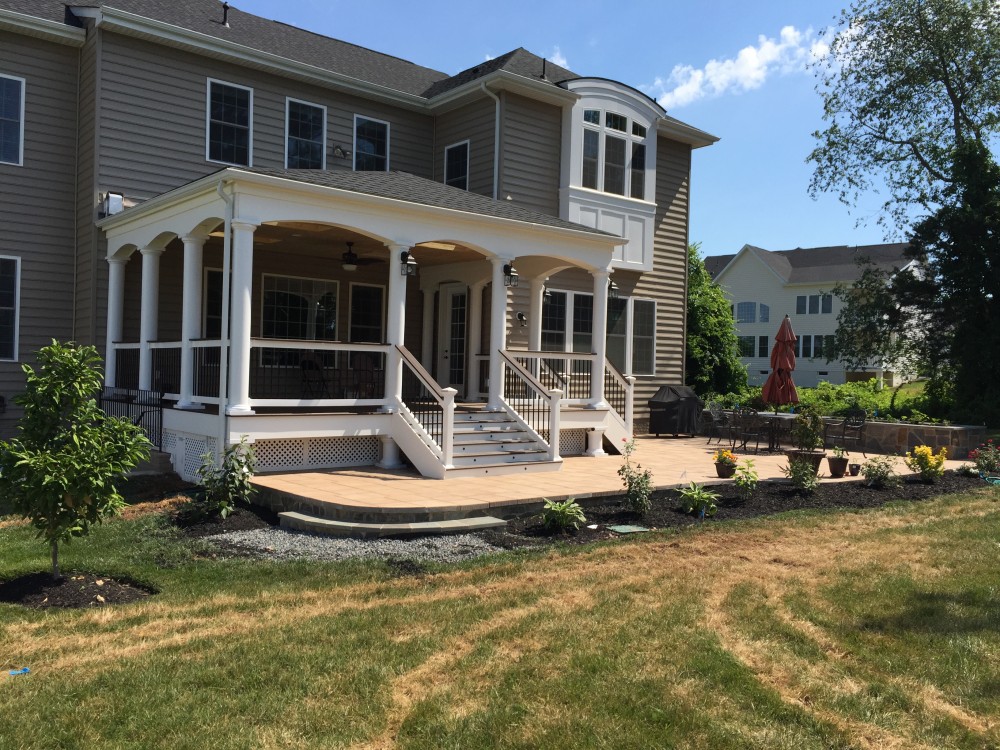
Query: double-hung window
{"points": [[296, 308], [11, 120], [568, 322], [614, 154], [229, 124], [456, 165], [367, 313], [814, 304], [305, 135], [746, 312], [371, 145], [632, 335], [10, 297]]}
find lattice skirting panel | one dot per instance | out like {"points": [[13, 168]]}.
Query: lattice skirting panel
{"points": [[572, 442], [316, 453], [187, 452]]}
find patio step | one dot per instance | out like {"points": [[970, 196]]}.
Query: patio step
{"points": [[500, 469], [330, 527]]}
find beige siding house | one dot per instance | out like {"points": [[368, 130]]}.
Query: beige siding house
{"points": [[763, 286], [345, 256]]}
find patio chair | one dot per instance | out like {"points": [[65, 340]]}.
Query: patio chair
{"points": [[314, 383], [847, 432], [747, 426], [717, 425]]}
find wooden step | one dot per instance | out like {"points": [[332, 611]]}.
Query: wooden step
{"points": [[329, 527]]}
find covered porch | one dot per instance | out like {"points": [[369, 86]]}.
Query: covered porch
{"points": [[341, 319]]}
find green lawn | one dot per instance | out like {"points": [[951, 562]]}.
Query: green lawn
{"points": [[841, 630]]}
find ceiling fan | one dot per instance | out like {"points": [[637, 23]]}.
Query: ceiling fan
{"points": [[350, 260]]}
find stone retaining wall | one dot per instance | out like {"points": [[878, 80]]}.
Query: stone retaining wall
{"points": [[899, 437]]}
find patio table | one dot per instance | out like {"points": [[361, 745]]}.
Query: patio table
{"points": [[777, 425]]}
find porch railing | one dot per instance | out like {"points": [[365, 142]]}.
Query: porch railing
{"points": [[142, 408], [619, 392], [126, 365], [207, 363], [316, 373], [534, 405], [570, 372], [430, 409], [166, 367]]}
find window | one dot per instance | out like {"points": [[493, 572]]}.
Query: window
{"points": [[297, 308], [800, 305], [456, 165], [814, 304], [367, 314], [11, 120], [230, 123], [762, 346], [554, 322], [765, 313], [632, 335], [804, 347], [583, 323], [568, 317], [827, 304], [746, 344], [746, 312], [371, 145], [614, 157], [10, 286], [305, 135]]}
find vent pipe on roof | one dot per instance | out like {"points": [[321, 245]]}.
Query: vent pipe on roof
{"points": [[225, 15], [544, 60]]}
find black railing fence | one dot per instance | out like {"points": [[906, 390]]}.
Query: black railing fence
{"points": [[141, 408]]}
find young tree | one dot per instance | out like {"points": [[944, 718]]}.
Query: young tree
{"points": [[60, 472], [905, 83], [712, 359]]}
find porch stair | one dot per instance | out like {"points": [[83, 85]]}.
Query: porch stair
{"points": [[489, 443]]}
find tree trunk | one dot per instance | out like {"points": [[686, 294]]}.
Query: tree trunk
{"points": [[55, 561]]}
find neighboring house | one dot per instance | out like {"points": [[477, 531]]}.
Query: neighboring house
{"points": [[764, 286], [324, 247]]}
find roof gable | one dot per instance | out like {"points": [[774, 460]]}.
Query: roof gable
{"points": [[817, 265]]}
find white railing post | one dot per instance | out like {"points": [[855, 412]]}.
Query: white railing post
{"points": [[448, 427], [555, 416], [629, 403]]}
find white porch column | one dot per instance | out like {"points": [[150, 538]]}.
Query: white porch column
{"points": [[427, 336], [498, 332], [191, 301], [149, 317], [536, 297], [600, 325], [395, 324], [475, 335], [116, 313], [239, 321]]}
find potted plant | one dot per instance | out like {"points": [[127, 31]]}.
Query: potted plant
{"points": [[807, 434], [838, 462], [725, 463], [855, 469]]}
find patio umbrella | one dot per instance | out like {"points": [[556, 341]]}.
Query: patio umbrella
{"points": [[779, 388]]}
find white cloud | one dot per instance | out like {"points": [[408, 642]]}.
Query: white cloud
{"points": [[791, 52], [558, 58]]}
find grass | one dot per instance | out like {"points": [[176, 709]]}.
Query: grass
{"points": [[833, 630]]}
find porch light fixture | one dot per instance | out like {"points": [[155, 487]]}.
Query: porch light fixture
{"points": [[341, 153], [112, 203], [349, 260], [407, 265], [522, 319], [509, 275], [612, 289]]}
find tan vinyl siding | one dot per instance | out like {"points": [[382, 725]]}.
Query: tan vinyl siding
{"points": [[531, 138], [36, 199], [475, 123]]}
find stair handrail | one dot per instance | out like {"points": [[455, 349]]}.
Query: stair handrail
{"points": [[553, 397], [627, 384], [445, 397]]}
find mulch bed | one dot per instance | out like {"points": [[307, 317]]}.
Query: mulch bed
{"points": [[771, 498], [74, 590], [245, 517]]}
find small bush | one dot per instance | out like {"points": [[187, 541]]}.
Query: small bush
{"points": [[562, 515], [802, 475], [986, 458], [696, 499], [879, 472], [638, 481], [225, 485], [926, 463], [746, 480]]}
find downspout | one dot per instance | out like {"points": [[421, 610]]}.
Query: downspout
{"points": [[496, 139], [227, 253]]}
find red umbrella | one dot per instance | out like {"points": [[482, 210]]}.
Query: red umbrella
{"points": [[779, 388]]}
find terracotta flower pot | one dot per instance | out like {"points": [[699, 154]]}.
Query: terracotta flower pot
{"points": [[838, 466], [725, 471]]}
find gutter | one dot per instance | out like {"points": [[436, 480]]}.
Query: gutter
{"points": [[496, 139], [52, 31]]}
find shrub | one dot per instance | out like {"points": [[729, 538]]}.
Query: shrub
{"points": [[926, 463], [638, 481], [228, 483], [802, 475], [562, 515], [833, 400], [879, 472], [745, 480], [807, 431], [696, 499], [986, 458]]}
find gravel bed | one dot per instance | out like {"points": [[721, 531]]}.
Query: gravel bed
{"points": [[276, 543]]}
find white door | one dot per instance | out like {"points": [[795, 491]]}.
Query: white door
{"points": [[453, 313]]}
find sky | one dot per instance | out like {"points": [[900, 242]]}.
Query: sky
{"points": [[738, 70]]}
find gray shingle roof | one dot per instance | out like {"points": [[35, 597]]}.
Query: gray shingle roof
{"points": [[518, 61], [819, 264], [412, 189]]}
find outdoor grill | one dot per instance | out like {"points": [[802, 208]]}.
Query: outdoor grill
{"points": [[676, 410]]}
